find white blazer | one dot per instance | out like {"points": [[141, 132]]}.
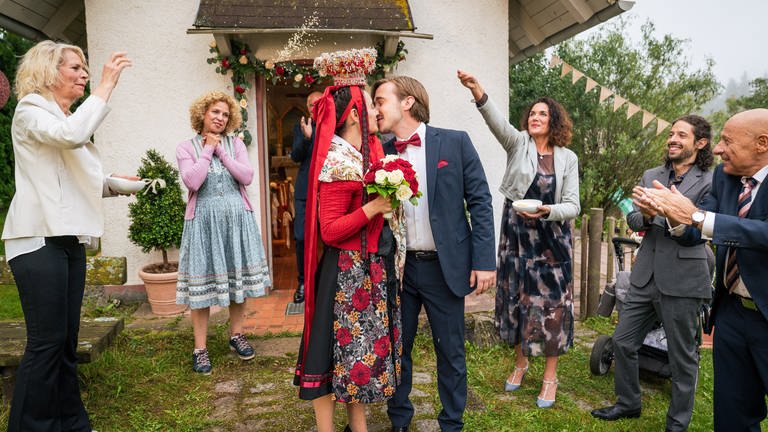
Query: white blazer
{"points": [[59, 182]]}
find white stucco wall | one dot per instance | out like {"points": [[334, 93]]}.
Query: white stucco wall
{"points": [[149, 106], [472, 36]]}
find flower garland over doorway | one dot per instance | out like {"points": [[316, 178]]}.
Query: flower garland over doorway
{"points": [[243, 64]]}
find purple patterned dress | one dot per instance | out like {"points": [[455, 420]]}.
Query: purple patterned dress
{"points": [[534, 288]]}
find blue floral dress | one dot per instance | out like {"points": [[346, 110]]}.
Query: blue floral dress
{"points": [[222, 256]]}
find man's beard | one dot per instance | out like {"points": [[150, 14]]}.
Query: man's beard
{"points": [[682, 156]]}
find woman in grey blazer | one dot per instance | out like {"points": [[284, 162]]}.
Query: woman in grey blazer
{"points": [[56, 208], [534, 280]]}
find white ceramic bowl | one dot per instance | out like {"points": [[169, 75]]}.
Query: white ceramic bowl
{"points": [[125, 186], [526, 205]]}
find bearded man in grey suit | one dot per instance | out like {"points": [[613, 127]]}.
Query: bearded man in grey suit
{"points": [[669, 281]]}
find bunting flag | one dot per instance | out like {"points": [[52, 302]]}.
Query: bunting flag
{"points": [[632, 109], [661, 125], [576, 76], [590, 85], [566, 69], [605, 93], [647, 117], [618, 101]]}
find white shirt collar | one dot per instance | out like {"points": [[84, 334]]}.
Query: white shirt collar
{"points": [[760, 175], [421, 129]]}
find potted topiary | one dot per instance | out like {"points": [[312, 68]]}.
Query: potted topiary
{"points": [[157, 222]]}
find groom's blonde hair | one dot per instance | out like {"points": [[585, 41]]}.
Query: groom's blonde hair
{"points": [[407, 86]]}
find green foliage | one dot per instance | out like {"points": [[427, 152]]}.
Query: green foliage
{"points": [[758, 99], [11, 50], [613, 150], [157, 219]]}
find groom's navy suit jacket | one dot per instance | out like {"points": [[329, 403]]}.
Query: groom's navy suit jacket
{"points": [[749, 235], [455, 176]]}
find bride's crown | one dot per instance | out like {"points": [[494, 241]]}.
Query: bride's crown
{"points": [[348, 67]]}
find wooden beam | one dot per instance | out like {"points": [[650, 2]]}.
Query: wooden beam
{"points": [[222, 42], [578, 9], [62, 18], [532, 31], [390, 45]]}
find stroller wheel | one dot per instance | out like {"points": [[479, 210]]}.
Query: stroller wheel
{"points": [[602, 355]]}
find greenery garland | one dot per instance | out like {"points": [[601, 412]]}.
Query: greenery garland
{"points": [[243, 64]]}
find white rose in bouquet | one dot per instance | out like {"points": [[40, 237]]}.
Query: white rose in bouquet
{"points": [[389, 158], [404, 193], [395, 177], [381, 176]]}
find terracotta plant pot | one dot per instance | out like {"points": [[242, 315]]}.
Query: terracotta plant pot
{"points": [[161, 292]]}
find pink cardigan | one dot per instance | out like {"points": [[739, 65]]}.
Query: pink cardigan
{"points": [[194, 172]]}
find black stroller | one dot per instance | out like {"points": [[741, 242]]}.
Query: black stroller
{"points": [[652, 355]]}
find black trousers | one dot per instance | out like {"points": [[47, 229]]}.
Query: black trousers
{"points": [[298, 234], [51, 282], [424, 284], [740, 358]]}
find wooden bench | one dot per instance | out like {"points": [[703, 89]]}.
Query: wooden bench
{"points": [[95, 336]]}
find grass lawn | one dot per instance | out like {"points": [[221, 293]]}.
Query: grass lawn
{"points": [[144, 383], [10, 308]]}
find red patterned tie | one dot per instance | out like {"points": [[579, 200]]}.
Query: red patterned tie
{"points": [[401, 145], [745, 202]]}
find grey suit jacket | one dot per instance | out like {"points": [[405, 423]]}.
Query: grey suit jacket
{"points": [[679, 271]]}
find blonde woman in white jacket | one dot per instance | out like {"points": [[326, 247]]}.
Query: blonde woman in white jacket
{"points": [[534, 274], [55, 210]]}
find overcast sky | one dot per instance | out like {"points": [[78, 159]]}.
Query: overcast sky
{"points": [[734, 33]]}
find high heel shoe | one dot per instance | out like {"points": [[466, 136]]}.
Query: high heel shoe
{"points": [[546, 403], [511, 386]]}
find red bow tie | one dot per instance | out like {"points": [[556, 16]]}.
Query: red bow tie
{"points": [[401, 145]]}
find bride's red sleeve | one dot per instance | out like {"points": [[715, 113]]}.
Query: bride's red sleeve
{"points": [[340, 212]]}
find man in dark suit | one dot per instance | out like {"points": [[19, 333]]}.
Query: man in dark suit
{"points": [[446, 259], [735, 217], [657, 292], [301, 152]]}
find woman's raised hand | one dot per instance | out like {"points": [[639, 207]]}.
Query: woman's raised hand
{"points": [[469, 81], [110, 74], [380, 205]]}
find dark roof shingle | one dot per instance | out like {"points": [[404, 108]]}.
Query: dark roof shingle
{"points": [[388, 15]]}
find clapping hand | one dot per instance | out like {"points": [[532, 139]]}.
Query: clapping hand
{"points": [[674, 205], [306, 127], [211, 139]]}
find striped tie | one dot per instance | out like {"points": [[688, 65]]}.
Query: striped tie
{"points": [[745, 201]]}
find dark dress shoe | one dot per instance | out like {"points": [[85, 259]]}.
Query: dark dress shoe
{"points": [[399, 429], [615, 413], [298, 296]]}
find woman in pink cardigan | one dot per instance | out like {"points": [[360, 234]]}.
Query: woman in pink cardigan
{"points": [[222, 260]]}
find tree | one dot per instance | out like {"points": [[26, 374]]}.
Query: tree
{"points": [[157, 215], [613, 150], [758, 99], [12, 47]]}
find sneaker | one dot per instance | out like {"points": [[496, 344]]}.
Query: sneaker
{"points": [[200, 362], [239, 344]]}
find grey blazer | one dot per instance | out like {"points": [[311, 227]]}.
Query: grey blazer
{"points": [[522, 166], [679, 271]]}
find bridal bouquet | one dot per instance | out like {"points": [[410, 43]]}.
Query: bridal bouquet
{"points": [[395, 178]]}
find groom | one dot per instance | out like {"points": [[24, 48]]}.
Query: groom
{"points": [[446, 259]]}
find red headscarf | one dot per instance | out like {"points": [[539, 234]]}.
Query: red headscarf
{"points": [[325, 128]]}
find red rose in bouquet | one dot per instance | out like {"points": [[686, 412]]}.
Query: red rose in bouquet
{"points": [[395, 178]]}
